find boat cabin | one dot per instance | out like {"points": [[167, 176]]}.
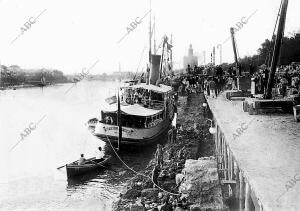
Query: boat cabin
{"points": [[148, 96], [135, 116], [142, 106]]}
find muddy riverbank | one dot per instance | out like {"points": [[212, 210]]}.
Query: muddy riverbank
{"points": [[193, 142]]}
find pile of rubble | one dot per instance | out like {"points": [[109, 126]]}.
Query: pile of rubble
{"points": [[185, 183]]}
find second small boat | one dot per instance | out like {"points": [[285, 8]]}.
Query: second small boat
{"points": [[92, 164]]}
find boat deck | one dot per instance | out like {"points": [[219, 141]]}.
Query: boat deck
{"points": [[267, 152]]}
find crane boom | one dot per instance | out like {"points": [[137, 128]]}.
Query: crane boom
{"points": [[277, 47], [235, 51]]}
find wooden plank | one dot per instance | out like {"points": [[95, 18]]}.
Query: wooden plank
{"points": [[237, 93], [232, 167], [222, 169], [237, 98], [242, 192], [247, 198], [216, 137], [221, 151], [226, 161], [286, 105], [229, 164], [237, 187], [228, 182]]}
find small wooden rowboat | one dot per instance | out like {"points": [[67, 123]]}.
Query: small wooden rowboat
{"points": [[73, 169]]}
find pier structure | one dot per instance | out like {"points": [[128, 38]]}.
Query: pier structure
{"points": [[258, 156]]}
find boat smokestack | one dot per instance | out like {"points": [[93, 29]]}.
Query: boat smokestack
{"points": [[155, 66]]}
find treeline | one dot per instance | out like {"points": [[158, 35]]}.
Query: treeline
{"points": [[290, 52], [14, 75], [113, 76]]}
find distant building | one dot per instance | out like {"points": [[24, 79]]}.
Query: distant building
{"points": [[190, 59]]}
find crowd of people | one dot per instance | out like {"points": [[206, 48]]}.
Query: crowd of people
{"points": [[286, 79], [213, 79]]}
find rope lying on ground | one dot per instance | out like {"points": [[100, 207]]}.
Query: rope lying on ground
{"points": [[137, 173]]}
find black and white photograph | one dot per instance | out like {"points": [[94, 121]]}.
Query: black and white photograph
{"points": [[150, 105]]}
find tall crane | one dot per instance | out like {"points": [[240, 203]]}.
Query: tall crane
{"points": [[268, 101], [277, 47], [238, 70], [235, 51]]}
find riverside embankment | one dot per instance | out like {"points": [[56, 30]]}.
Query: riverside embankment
{"points": [[188, 179], [258, 155]]}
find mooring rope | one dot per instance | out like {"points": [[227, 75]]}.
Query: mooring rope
{"points": [[137, 173]]}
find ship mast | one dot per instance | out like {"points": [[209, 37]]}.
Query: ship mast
{"points": [[154, 38], [149, 68], [150, 36], [119, 121], [277, 47], [171, 53], [1, 75]]}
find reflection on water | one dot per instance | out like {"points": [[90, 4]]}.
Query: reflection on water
{"points": [[29, 178], [83, 180]]}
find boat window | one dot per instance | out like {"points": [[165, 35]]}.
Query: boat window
{"points": [[134, 121], [109, 118]]}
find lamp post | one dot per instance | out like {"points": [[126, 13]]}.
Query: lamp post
{"points": [[212, 130]]}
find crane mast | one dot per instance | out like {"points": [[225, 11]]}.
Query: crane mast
{"points": [[235, 51], [277, 47]]}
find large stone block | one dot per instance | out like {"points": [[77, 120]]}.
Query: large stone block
{"points": [[201, 185]]}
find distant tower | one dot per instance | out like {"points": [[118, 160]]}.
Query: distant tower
{"points": [[190, 59], [214, 56], [191, 52], [220, 47]]}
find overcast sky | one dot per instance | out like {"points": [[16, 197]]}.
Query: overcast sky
{"points": [[73, 34]]}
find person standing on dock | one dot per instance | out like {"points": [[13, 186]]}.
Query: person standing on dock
{"points": [[81, 160], [212, 87], [159, 156], [100, 154], [189, 69], [155, 174], [265, 78], [216, 80], [175, 133], [172, 135]]}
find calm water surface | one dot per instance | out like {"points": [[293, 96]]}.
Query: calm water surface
{"points": [[29, 179]]}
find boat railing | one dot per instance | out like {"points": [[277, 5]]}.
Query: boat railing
{"points": [[145, 102], [156, 104]]}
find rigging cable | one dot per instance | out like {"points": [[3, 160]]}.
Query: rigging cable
{"points": [[139, 62], [137, 173]]}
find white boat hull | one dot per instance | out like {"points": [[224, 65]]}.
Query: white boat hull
{"points": [[131, 136]]}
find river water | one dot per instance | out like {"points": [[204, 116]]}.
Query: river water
{"points": [[29, 179]]}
